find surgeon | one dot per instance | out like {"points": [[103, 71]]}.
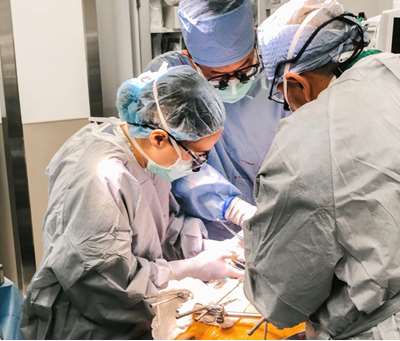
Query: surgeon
{"points": [[113, 233], [221, 46], [323, 246]]}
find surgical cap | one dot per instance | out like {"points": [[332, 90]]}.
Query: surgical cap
{"points": [[276, 34], [190, 107], [217, 33]]}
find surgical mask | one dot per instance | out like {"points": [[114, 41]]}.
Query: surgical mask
{"points": [[171, 173], [235, 92], [178, 170]]}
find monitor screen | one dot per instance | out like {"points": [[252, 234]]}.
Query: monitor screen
{"points": [[396, 35]]}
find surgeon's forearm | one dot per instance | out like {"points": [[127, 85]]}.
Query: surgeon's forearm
{"points": [[181, 269], [205, 195]]}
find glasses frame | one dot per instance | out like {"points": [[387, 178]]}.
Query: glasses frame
{"points": [[239, 74], [197, 162], [358, 49]]}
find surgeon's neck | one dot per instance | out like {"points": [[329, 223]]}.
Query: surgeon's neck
{"points": [[141, 160]]}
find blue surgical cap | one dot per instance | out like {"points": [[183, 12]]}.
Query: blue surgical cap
{"points": [[190, 106], [332, 43], [217, 33]]}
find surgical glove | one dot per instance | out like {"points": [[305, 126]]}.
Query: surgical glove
{"points": [[213, 265], [208, 265], [239, 211]]}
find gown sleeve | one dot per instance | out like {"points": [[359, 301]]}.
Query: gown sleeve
{"points": [[291, 249], [93, 259]]}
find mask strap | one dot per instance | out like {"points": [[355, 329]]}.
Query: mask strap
{"points": [[199, 70], [163, 122], [264, 83], [234, 88], [292, 48], [139, 148], [132, 141]]}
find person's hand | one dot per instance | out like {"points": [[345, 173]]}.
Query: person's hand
{"points": [[239, 211], [213, 264]]}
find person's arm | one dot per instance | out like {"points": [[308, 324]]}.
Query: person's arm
{"points": [[190, 255], [104, 281], [290, 246], [93, 259], [185, 234], [205, 194]]}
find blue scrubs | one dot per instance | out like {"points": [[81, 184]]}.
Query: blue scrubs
{"points": [[249, 129]]}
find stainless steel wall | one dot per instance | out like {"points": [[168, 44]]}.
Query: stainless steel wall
{"points": [[7, 250], [40, 111], [14, 153], [93, 57]]}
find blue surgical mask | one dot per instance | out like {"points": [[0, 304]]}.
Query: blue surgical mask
{"points": [[235, 91], [171, 173], [178, 170]]}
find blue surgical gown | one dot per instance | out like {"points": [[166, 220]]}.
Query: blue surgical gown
{"points": [[249, 129]]}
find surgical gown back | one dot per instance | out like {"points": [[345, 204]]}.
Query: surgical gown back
{"points": [[324, 243]]}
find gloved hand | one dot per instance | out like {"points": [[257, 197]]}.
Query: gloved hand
{"points": [[239, 211], [213, 264], [208, 265]]}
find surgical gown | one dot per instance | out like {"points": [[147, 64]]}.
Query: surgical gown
{"points": [[110, 229], [249, 129], [324, 243]]}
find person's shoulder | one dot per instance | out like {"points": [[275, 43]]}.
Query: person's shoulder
{"points": [[103, 178], [307, 122], [93, 156], [302, 141], [384, 59], [112, 165]]}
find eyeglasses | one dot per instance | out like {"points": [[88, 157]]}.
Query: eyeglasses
{"points": [[198, 159], [243, 75], [276, 95]]}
